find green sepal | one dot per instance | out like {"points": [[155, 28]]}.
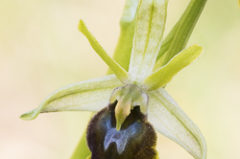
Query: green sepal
{"points": [[91, 95], [149, 28], [168, 119]]}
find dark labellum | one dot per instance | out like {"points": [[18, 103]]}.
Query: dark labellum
{"points": [[135, 140]]}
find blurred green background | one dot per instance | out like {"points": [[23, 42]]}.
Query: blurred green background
{"points": [[42, 50]]}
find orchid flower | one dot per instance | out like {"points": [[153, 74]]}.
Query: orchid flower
{"points": [[131, 102]]}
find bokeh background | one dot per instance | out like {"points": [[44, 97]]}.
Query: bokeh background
{"points": [[42, 50]]}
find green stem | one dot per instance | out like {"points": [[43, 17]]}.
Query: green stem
{"points": [[81, 151]]}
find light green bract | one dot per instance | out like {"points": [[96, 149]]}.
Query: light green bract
{"points": [[143, 64]]}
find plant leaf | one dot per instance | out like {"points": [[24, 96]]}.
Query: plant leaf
{"points": [[168, 118], [91, 95], [150, 24], [161, 77], [124, 46], [178, 37], [113, 65]]}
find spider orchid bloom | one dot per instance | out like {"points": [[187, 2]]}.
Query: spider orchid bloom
{"points": [[132, 103]]}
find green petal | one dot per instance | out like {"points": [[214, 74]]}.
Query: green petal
{"points": [[178, 37], [161, 77], [91, 95], [168, 118], [113, 65], [150, 24], [124, 47]]}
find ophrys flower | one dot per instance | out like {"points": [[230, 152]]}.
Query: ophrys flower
{"points": [[135, 99]]}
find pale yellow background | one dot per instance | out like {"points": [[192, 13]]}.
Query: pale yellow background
{"points": [[42, 50]]}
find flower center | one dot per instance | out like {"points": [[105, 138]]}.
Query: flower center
{"points": [[128, 96]]}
